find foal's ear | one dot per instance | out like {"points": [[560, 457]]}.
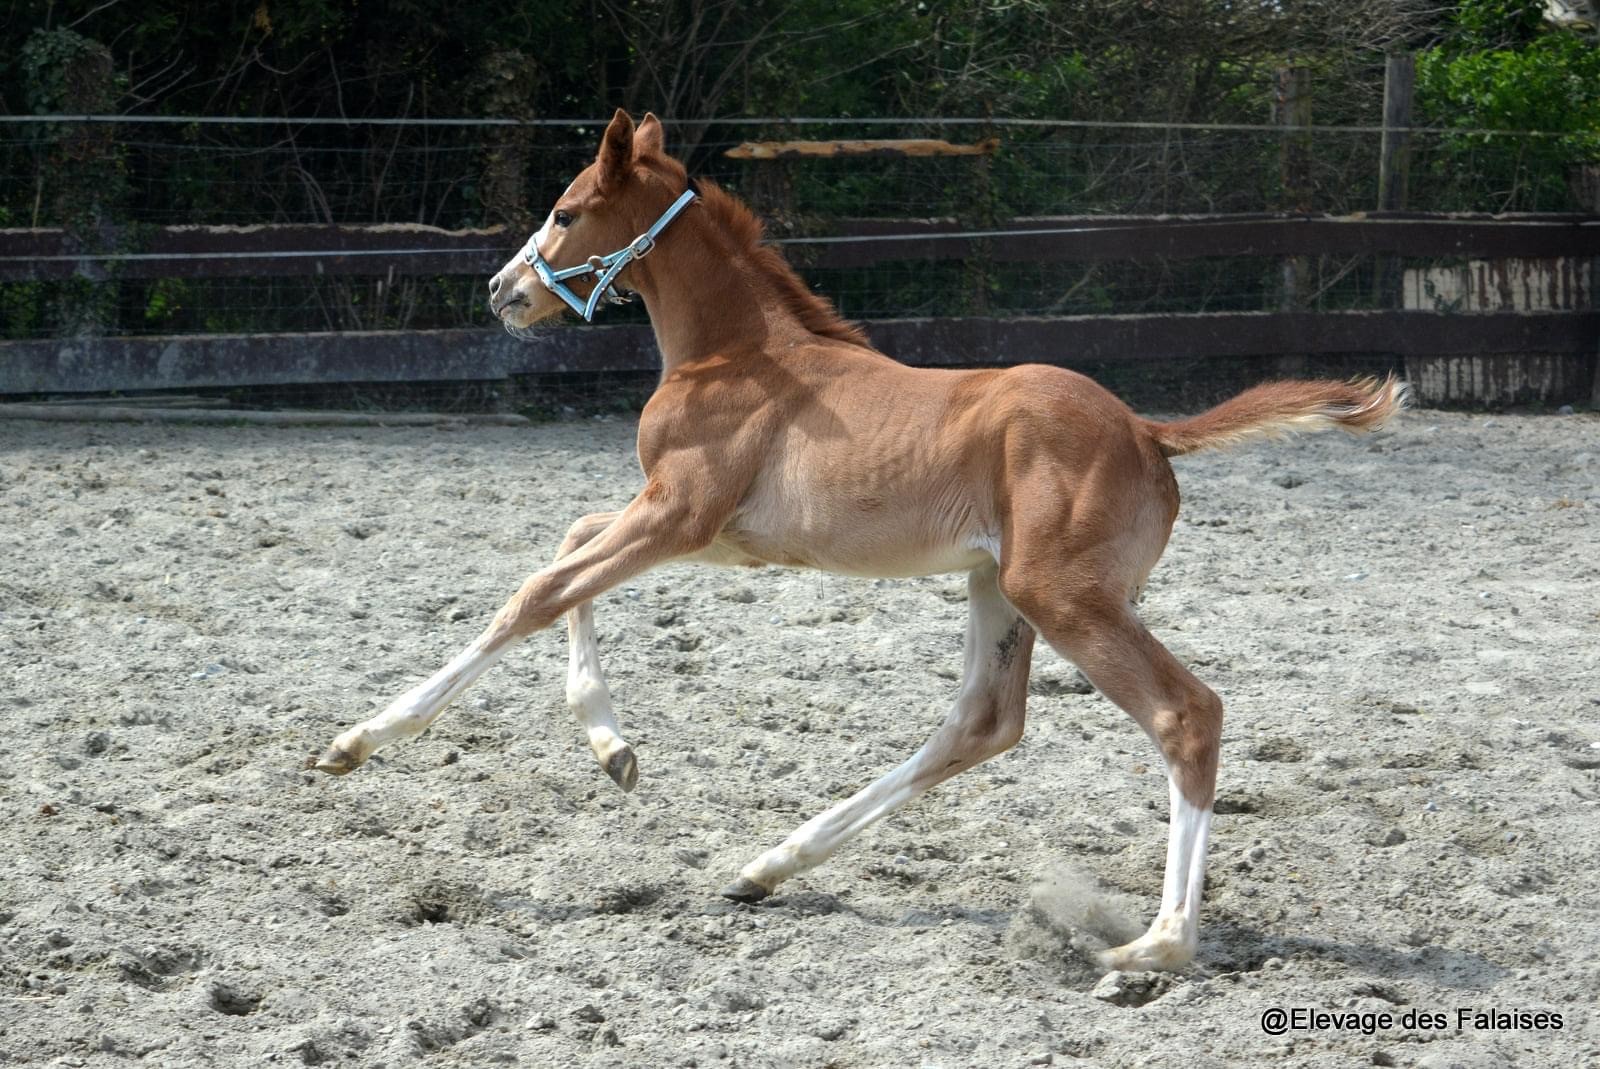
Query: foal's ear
{"points": [[616, 151], [650, 139]]}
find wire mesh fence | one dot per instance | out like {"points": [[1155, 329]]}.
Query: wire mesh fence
{"points": [[107, 183], [220, 171]]}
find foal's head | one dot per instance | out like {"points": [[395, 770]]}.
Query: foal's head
{"points": [[613, 200]]}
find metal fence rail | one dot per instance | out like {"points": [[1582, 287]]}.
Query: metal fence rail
{"points": [[413, 249]]}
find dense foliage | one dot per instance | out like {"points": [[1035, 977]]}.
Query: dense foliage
{"points": [[699, 59], [1483, 63], [1498, 70]]}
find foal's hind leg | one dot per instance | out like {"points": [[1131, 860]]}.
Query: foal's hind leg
{"points": [[1097, 630], [987, 720]]}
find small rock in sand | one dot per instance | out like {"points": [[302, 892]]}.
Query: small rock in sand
{"points": [[1131, 988]]}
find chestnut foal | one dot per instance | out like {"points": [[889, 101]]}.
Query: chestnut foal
{"points": [[779, 436]]}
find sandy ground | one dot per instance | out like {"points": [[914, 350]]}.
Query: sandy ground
{"points": [[1404, 630]]}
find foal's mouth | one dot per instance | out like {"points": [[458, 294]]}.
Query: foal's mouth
{"points": [[518, 301], [522, 333], [503, 315]]}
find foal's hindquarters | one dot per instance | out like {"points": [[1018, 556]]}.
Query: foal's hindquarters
{"points": [[1074, 574]]}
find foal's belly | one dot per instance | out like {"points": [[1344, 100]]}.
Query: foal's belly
{"points": [[891, 543], [929, 560]]}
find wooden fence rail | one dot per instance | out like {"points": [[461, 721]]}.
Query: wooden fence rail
{"points": [[190, 361], [1567, 337]]}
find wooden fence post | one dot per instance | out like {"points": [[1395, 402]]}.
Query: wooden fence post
{"points": [[771, 193], [1584, 182], [85, 179], [979, 268], [1294, 114], [511, 78], [1394, 163], [1293, 108]]}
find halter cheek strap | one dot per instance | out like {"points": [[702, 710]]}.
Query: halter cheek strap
{"points": [[606, 268]]}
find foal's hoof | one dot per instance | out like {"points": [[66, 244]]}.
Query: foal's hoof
{"points": [[337, 762], [623, 769], [1148, 955], [745, 890]]}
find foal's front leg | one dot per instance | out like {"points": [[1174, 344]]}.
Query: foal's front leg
{"points": [[587, 694], [651, 530]]}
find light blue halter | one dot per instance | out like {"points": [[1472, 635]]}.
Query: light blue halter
{"points": [[607, 267]]}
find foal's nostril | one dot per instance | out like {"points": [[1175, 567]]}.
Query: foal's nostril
{"points": [[494, 285]]}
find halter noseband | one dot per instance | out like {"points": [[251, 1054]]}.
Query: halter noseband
{"points": [[607, 267]]}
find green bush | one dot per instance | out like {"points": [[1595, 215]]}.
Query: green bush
{"points": [[1498, 71]]}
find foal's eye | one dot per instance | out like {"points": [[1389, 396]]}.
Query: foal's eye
{"points": [[563, 218]]}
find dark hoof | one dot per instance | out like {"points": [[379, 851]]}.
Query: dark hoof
{"points": [[746, 891], [337, 762], [623, 769]]}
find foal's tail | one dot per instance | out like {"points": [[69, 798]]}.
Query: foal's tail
{"points": [[1274, 409]]}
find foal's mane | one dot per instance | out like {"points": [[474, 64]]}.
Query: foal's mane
{"points": [[740, 224]]}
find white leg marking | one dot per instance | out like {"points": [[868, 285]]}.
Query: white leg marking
{"points": [[986, 719], [1186, 861], [590, 698], [814, 842], [412, 712], [1171, 940]]}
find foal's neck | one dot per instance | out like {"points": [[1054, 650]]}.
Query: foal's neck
{"points": [[712, 289], [702, 299]]}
